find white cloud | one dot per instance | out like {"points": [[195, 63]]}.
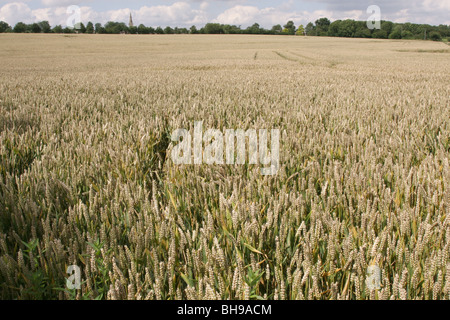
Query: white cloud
{"points": [[240, 15], [267, 17], [198, 12], [204, 5], [177, 14], [416, 11], [15, 12], [60, 3]]}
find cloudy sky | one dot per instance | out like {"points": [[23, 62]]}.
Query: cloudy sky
{"points": [[185, 13]]}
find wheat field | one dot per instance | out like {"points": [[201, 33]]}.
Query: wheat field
{"points": [[86, 176]]}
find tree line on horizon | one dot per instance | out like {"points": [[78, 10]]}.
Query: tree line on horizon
{"points": [[321, 27]]}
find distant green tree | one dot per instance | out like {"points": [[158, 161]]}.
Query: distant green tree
{"points": [[300, 31], [334, 30], [57, 29], [387, 26], [4, 27], [435, 36], [231, 29], [348, 28], [35, 28], [254, 29], [90, 27], [411, 28], [99, 29], [289, 27], [310, 29], [45, 26], [380, 34], [362, 31], [193, 30], [396, 33], [213, 28], [112, 27], [407, 35], [68, 30], [141, 29], [81, 27], [276, 29], [322, 26], [168, 30], [444, 30]]}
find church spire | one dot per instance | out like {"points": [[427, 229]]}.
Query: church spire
{"points": [[130, 24]]}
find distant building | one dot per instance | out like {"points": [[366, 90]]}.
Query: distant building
{"points": [[130, 24]]}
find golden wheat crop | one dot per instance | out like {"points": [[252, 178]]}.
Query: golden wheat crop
{"points": [[86, 176]]}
